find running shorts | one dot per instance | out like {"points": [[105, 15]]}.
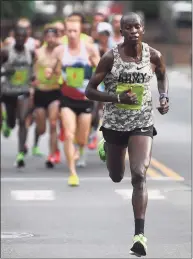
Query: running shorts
{"points": [[121, 138], [13, 98], [77, 106], [42, 99]]}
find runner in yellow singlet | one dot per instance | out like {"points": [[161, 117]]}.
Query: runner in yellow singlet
{"points": [[47, 93]]}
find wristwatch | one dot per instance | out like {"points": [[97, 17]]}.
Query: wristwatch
{"points": [[164, 95]]}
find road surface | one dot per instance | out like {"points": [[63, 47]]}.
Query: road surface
{"points": [[41, 217]]}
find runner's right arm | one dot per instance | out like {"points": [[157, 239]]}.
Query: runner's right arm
{"points": [[4, 57], [104, 67]]}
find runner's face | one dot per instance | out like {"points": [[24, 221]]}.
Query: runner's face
{"points": [[51, 39], [20, 39], [73, 30], [27, 26], [133, 29]]}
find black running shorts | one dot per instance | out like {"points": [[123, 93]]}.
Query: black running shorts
{"points": [[13, 98], [121, 138], [77, 106], [42, 99]]}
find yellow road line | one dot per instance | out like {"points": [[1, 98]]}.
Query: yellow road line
{"points": [[158, 165], [165, 170], [153, 173]]}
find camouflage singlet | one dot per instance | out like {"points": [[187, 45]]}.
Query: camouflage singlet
{"points": [[123, 76], [18, 83]]}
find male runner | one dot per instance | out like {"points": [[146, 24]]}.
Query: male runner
{"points": [[76, 16], [128, 123], [78, 59], [30, 42], [18, 62], [47, 93]]}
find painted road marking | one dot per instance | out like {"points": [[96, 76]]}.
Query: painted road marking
{"points": [[162, 168], [33, 195], [126, 194], [12, 235], [153, 173], [165, 170], [82, 179], [159, 168]]}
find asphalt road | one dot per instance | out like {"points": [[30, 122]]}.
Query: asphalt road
{"points": [[41, 217]]}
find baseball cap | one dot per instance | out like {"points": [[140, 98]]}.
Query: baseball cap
{"points": [[104, 26]]}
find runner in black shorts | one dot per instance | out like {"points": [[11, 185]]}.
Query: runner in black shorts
{"points": [[47, 94], [15, 91], [127, 70], [78, 59]]}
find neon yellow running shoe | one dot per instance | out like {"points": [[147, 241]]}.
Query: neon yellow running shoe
{"points": [[139, 247], [20, 160], [101, 150], [6, 130], [36, 151], [73, 180]]}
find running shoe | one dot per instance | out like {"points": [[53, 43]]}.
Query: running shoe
{"points": [[73, 180], [50, 162], [81, 162], [101, 150], [139, 247], [93, 143], [20, 160], [36, 151], [5, 129]]}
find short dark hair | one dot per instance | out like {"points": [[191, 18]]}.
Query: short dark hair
{"points": [[125, 17], [83, 20]]}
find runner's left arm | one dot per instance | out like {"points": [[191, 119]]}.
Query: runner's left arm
{"points": [[157, 60]]}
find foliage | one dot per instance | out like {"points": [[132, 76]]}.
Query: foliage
{"points": [[14, 9]]}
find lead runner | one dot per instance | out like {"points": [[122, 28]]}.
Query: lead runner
{"points": [[126, 71]]}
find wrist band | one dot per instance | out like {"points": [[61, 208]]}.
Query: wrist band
{"points": [[118, 98], [164, 95]]}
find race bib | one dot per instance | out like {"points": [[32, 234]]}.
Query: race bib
{"points": [[42, 78], [138, 89], [75, 76], [20, 77]]}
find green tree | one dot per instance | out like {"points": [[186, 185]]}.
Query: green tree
{"points": [[13, 9]]}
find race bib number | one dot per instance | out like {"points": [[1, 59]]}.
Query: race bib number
{"points": [[41, 77], [75, 76], [138, 89], [20, 77]]}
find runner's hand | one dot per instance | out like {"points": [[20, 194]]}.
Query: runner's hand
{"points": [[127, 97], [164, 106], [48, 72]]}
